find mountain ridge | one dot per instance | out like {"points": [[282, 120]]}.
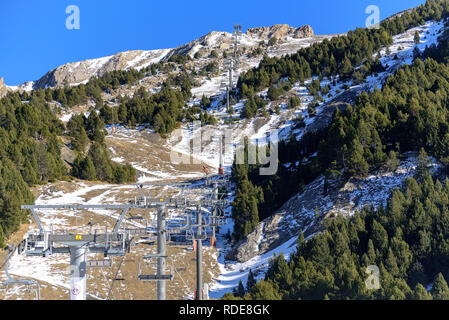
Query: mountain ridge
{"points": [[74, 73]]}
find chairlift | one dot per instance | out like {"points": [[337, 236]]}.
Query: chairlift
{"points": [[76, 220], [220, 218], [11, 281], [153, 264], [106, 263], [178, 240], [193, 234], [139, 231]]}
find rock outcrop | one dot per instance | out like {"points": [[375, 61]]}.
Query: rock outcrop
{"points": [[80, 72], [3, 88], [280, 31], [300, 212]]}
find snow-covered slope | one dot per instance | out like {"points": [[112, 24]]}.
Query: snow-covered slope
{"points": [[279, 232], [80, 72]]}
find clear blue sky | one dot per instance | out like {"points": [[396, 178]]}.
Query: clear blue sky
{"points": [[34, 38]]}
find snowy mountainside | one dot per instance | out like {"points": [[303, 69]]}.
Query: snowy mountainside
{"points": [[343, 197], [80, 72], [151, 157], [278, 233]]}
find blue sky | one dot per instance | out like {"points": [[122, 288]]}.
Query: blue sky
{"points": [[34, 38]]}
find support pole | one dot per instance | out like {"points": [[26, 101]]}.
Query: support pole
{"points": [[161, 250], [214, 216], [220, 166], [77, 273], [231, 85], [228, 104], [199, 257]]}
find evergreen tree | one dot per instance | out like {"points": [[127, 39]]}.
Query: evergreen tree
{"points": [[416, 38], [87, 170], [251, 281], [346, 68], [101, 161], [240, 290], [423, 162], [356, 160], [420, 293], [440, 290], [393, 162], [264, 290]]}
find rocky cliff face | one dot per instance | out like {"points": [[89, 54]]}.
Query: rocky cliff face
{"points": [[80, 72], [280, 31], [3, 88]]}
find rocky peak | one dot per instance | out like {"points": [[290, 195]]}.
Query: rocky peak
{"points": [[80, 72], [280, 31], [3, 88]]}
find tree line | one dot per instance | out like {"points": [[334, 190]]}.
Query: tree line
{"points": [[343, 57], [29, 155]]}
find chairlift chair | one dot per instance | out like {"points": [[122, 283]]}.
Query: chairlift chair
{"points": [[174, 240], [155, 277], [193, 235], [11, 281]]}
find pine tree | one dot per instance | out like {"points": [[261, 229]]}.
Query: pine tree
{"points": [[397, 294], [416, 38], [87, 171], [440, 290], [95, 127], [264, 290], [76, 167], [356, 162], [379, 236], [122, 113], [345, 68], [423, 162], [2, 238], [240, 290], [251, 281], [101, 161], [228, 295], [420, 293], [392, 162]]}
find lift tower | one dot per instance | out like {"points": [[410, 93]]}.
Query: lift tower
{"points": [[232, 63]]}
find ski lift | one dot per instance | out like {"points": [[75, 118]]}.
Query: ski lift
{"points": [[138, 231], [220, 218], [193, 234], [11, 281], [106, 263], [178, 240], [155, 277], [79, 226]]}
